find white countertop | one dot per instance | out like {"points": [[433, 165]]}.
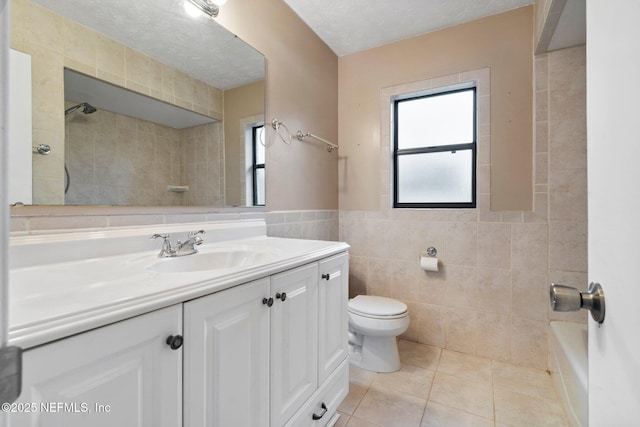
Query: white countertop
{"points": [[57, 297]]}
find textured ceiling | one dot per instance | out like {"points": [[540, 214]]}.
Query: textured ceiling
{"points": [[354, 25], [162, 29]]}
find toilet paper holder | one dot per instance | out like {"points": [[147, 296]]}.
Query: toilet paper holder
{"points": [[431, 251]]}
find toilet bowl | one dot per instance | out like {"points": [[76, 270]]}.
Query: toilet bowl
{"points": [[374, 324]]}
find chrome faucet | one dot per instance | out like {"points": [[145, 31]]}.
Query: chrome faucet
{"points": [[188, 247]]}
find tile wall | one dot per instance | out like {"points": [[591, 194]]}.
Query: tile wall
{"points": [[490, 296], [33, 220], [118, 160]]}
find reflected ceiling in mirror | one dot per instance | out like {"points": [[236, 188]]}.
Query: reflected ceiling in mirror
{"points": [[162, 29]]}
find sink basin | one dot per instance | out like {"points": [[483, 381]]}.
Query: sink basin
{"points": [[215, 259]]}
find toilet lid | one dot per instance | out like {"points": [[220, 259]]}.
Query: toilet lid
{"points": [[370, 305]]}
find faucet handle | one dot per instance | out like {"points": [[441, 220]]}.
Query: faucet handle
{"points": [[195, 233], [162, 236]]}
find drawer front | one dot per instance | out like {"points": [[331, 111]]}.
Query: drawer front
{"points": [[331, 393]]}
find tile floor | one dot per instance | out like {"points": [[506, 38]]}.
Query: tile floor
{"points": [[444, 388]]}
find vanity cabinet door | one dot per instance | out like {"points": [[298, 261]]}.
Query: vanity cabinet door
{"points": [[333, 292], [294, 341], [226, 358], [123, 374]]}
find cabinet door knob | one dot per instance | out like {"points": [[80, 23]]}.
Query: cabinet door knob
{"points": [[175, 341], [321, 414], [267, 301], [326, 276], [281, 296]]}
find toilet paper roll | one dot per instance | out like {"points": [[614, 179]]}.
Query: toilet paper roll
{"points": [[428, 263]]}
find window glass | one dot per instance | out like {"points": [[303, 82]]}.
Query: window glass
{"points": [[258, 166], [435, 150], [436, 120], [441, 177], [259, 132], [259, 194]]}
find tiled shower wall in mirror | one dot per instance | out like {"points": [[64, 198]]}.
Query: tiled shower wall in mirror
{"points": [[118, 160]]}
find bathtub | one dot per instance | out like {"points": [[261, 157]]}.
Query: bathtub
{"points": [[569, 369]]}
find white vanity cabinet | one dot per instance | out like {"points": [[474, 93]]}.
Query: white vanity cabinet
{"points": [[268, 353], [124, 374], [271, 352]]}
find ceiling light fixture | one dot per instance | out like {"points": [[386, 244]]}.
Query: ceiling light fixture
{"points": [[208, 7]]}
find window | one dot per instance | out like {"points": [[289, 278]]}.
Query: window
{"points": [[434, 155], [257, 165]]}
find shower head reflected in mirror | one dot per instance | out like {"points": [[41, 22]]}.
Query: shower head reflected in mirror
{"points": [[85, 107]]}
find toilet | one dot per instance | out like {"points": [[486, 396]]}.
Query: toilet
{"points": [[374, 324]]}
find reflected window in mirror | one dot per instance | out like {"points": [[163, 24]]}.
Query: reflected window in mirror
{"points": [[258, 150]]}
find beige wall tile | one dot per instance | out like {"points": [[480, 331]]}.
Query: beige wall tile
{"points": [[110, 57], [568, 246], [461, 243], [542, 72], [379, 278], [494, 290], [493, 336], [406, 241], [529, 247], [461, 286], [569, 141], [530, 295], [432, 324], [137, 68], [43, 27], [432, 285], [68, 222], [358, 267], [461, 330], [568, 195], [17, 22], [542, 135], [529, 342], [80, 43], [404, 283], [494, 245], [379, 238]]}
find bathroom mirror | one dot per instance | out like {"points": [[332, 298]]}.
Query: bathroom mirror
{"points": [[170, 59]]}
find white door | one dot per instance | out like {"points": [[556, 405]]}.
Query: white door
{"points": [[294, 341], [613, 126], [20, 162], [226, 358], [123, 374]]}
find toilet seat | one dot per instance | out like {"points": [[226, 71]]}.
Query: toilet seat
{"points": [[377, 307]]}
